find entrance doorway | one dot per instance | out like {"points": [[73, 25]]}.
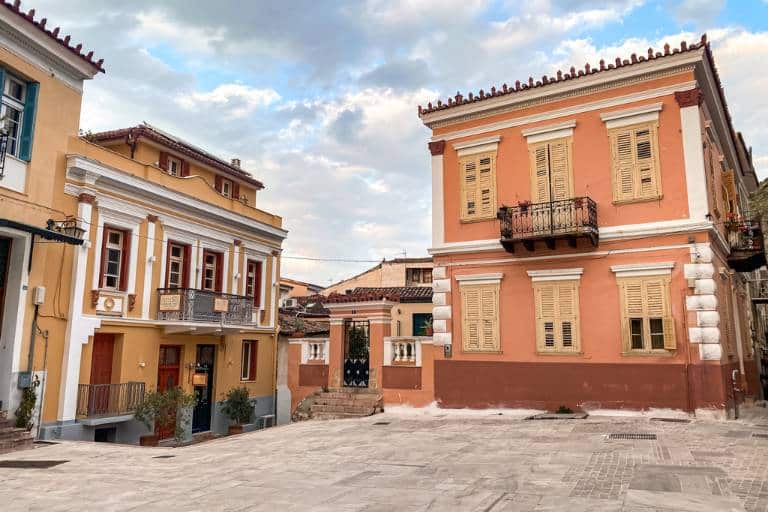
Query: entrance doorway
{"points": [[5, 256], [168, 377], [203, 381], [356, 353], [101, 374]]}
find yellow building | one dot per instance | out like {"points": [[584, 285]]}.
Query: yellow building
{"points": [[42, 77]]}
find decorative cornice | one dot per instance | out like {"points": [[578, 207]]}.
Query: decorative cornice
{"points": [[692, 98], [558, 274], [85, 197], [436, 147], [238, 243], [643, 269], [489, 278], [152, 218]]}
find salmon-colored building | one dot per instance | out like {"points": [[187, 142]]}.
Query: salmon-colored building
{"points": [[591, 236]]}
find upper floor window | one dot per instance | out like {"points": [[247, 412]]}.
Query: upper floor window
{"points": [[253, 282], [415, 276], [212, 271], [646, 314], [635, 162], [551, 170], [177, 274], [174, 167], [19, 101], [227, 187], [114, 259], [477, 173]]}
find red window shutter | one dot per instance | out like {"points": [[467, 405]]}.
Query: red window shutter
{"points": [[125, 260], [257, 285], [235, 190], [163, 160], [217, 186], [102, 266], [254, 359], [184, 168], [185, 266], [219, 271]]}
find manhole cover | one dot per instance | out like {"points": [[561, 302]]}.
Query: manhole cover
{"points": [[672, 420], [163, 456], [760, 435], [381, 423], [633, 436], [30, 464]]}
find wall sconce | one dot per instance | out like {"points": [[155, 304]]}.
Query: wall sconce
{"points": [[142, 364], [237, 275], [152, 259]]}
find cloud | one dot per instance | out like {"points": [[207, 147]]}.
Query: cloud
{"points": [[237, 100], [698, 12]]}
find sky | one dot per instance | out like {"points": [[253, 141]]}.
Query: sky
{"points": [[319, 98]]}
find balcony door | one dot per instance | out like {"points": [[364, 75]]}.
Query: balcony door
{"points": [[551, 182], [212, 271], [177, 268], [101, 373], [168, 371]]}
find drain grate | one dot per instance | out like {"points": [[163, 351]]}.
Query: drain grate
{"points": [[672, 420], [30, 464], [381, 423], [760, 435], [163, 456], [633, 436]]}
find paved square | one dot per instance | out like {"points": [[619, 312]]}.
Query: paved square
{"points": [[414, 461]]}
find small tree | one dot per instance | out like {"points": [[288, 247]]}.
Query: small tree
{"points": [[237, 406], [26, 408], [358, 343], [165, 410]]}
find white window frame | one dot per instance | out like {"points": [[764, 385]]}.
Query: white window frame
{"points": [[178, 165], [226, 187], [245, 363], [120, 248], [173, 259], [9, 102]]}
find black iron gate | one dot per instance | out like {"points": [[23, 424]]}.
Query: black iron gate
{"points": [[356, 349]]}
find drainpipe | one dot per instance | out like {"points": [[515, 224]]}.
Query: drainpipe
{"points": [[737, 327], [32, 339]]}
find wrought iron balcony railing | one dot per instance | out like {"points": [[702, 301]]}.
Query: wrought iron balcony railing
{"points": [[567, 218], [191, 305], [745, 237], [105, 400]]}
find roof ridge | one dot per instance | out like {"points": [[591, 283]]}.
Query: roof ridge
{"points": [[15, 7], [560, 76]]}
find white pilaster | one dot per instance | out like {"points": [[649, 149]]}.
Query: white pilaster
{"points": [[438, 210], [150, 262], [693, 154]]}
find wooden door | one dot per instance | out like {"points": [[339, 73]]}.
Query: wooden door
{"points": [[5, 256], [101, 373], [168, 377]]}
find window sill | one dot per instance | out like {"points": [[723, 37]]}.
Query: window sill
{"points": [[622, 202], [247, 381], [559, 353], [653, 353], [478, 219], [493, 352]]}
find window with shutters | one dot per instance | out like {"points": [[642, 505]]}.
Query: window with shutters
{"points": [[551, 171], [478, 186], [174, 166], [253, 282], [226, 188], [480, 318], [646, 314], [177, 273], [17, 113], [635, 163], [114, 259], [557, 316], [212, 271]]}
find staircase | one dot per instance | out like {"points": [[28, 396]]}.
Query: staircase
{"points": [[12, 438], [345, 403]]}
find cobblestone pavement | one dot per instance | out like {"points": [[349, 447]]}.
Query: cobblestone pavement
{"points": [[414, 461]]}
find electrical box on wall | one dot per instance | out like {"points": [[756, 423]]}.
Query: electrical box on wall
{"points": [[38, 296], [447, 352]]}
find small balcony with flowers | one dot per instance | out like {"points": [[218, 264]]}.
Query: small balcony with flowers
{"points": [[745, 240], [566, 219], [195, 311]]}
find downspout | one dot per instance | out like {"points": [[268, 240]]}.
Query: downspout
{"points": [[687, 367], [737, 326], [32, 339]]}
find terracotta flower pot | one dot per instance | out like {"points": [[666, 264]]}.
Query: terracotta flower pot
{"points": [[149, 440], [234, 429]]}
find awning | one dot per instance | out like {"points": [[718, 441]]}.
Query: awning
{"points": [[45, 234]]}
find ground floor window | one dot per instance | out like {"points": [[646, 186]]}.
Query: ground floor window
{"points": [[480, 317], [646, 314], [422, 324], [557, 316], [248, 360]]}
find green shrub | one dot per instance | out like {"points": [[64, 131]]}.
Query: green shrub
{"points": [[26, 408], [237, 406], [564, 410], [165, 410]]}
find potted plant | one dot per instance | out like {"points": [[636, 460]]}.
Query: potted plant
{"points": [[428, 329], [298, 328], [524, 205], [164, 410], [238, 407]]}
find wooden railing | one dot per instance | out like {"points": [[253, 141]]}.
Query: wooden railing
{"points": [[191, 305], [100, 400]]}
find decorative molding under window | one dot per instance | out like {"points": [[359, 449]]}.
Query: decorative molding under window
{"points": [[630, 116], [558, 274], [549, 132], [477, 146], [490, 278], [643, 269]]}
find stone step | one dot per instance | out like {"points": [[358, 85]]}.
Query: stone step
{"points": [[12, 445], [13, 433], [361, 410], [335, 416], [350, 396], [354, 391], [324, 400]]}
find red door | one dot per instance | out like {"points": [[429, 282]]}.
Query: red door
{"points": [[168, 377], [101, 374]]}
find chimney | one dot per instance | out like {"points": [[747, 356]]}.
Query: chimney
{"points": [[236, 162]]}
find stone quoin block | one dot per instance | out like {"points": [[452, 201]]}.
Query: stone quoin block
{"points": [[710, 352], [704, 286], [441, 313], [707, 335], [440, 299], [442, 338], [440, 326], [708, 318], [701, 303], [439, 273], [698, 270], [441, 285], [701, 253]]}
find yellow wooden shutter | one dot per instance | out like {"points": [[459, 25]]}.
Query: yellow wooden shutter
{"points": [[632, 307], [646, 298], [645, 162], [545, 316], [478, 186], [568, 316], [623, 165], [468, 166], [560, 169], [490, 318], [470, 298], [540, 174], [485, 185]]}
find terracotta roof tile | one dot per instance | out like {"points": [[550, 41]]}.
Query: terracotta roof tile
{"points": [[172, 142], [54, 34], [405, 293], [560, 76]]}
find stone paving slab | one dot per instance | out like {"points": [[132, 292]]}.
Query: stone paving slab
{"points": [[425, 461]]}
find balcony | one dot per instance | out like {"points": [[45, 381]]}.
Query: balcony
{"points": [[745, 237], [101, 401], [568, 219], [191, 305]]}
